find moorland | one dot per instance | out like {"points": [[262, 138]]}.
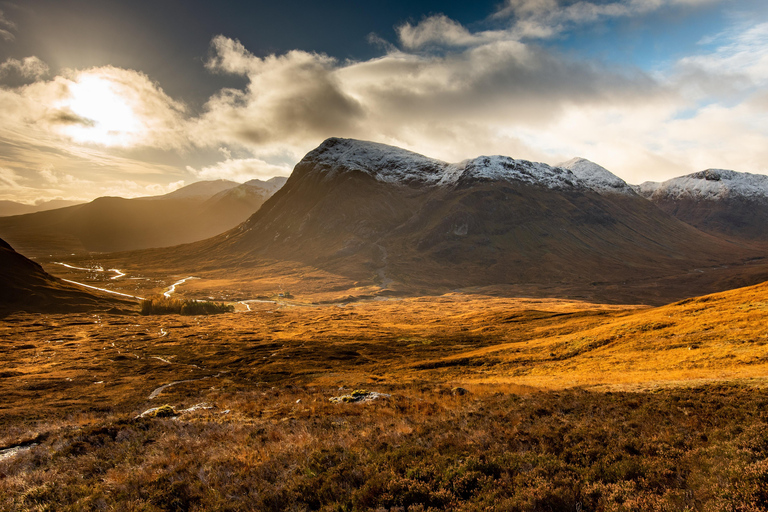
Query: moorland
{"points": [[497, 345]]}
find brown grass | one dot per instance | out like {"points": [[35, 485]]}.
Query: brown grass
{"points": [[528, 436]]}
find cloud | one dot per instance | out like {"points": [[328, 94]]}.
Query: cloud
{"points": [[29, 68], [444, 91], [9, 179], [540, 19], [289, 99], [6, 28], [436, 30], [742, 56], [473, 94], [105, 106], [240, 170]]}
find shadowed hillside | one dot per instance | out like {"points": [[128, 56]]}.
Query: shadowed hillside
{"points": [[25, 286]]}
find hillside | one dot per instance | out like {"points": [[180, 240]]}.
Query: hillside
{"points": [[107, 224], [25, 286], [8, 208], [381, 215], [725, 203]]}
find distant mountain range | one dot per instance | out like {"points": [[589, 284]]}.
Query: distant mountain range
{"points": [[25, 286], [8, 208], [374, 212], [725, 203], [109, 224]]}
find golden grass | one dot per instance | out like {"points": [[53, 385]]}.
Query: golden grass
{"points": [[519, 440]]}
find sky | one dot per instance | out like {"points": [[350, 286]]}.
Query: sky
{"points": [[106, 97]]}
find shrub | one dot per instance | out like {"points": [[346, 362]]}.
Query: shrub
{"points": [[168, 306]]}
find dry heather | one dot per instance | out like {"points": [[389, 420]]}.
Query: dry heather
{"points": [[289, 448], [537, 430]]}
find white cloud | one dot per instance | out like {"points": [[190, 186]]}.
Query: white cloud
{"points": [[438, 30], [546, 18], [743, 54], [240, 170]]}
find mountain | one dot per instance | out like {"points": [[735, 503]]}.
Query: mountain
{"points": [[596, 177], [8, 208], [372, 212], [108, 224], [25, 286], [722, 202], [198, 190]]}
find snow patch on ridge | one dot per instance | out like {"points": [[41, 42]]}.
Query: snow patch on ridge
{"points": [[596, 177], [385, 163], [493, 168], [710, 184]]}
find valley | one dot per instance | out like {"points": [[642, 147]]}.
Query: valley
{"points": [[395, 333]]}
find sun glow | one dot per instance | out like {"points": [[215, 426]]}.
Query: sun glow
{"points": [[101, 112]]}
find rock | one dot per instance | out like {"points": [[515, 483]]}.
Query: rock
{"points": [[164, 411], [459, 391], [358, 395]]}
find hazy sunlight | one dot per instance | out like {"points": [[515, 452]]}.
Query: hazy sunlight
{"points": [[108, 117]]}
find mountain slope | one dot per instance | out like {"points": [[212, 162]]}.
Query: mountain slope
{"points": [[371, 212], [111, 224], [25, 286], [8, 208], [721, 202]]}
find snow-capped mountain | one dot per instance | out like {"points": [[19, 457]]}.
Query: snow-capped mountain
{"points": [[718, 201], [598, 178], [394, 165], [709, 184], [360, 209]]}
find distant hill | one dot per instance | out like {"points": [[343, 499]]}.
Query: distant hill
{"points": [[722, 202], [8, 208], [373, 212], [199, 190], [109, 224], [25, 286]]}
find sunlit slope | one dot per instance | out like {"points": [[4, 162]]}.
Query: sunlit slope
{"points": [[719, 336]]}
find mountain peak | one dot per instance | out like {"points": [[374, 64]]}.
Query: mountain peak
{"points": [[385, 163], [596, 177], [498, 167], [710, 184]]}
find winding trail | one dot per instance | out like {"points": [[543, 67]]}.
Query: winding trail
{"points": [[104, 290], [167, 294], [119, 272]]}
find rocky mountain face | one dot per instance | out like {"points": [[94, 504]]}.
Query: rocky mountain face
{"points": [[373, 211], [721, 202], [25, 286], [109, 224]]}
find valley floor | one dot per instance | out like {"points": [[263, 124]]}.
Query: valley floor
{"points": [[486, 403]]}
